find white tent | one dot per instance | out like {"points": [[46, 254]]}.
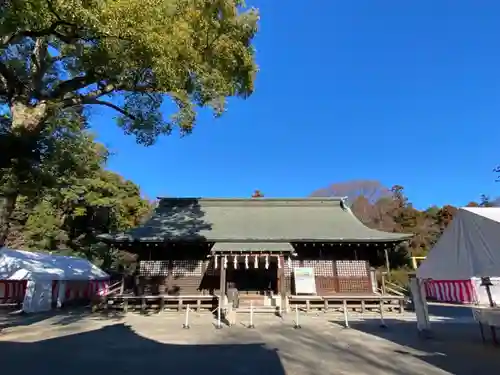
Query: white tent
{"points": [[41, 269], [468, 250]]}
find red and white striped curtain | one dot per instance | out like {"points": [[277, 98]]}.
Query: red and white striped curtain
{"points": [[12, 290], [85, 290], [458, 291]]}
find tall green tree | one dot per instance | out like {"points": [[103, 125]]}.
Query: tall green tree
{"points": [[127, 55], [62, 154], [70, 220]]}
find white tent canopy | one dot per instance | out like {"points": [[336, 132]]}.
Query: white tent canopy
{"points": [[468, 248], [40, 270], [26, 265]]}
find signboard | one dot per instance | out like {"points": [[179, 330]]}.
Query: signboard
{"points": [[305, 283]]}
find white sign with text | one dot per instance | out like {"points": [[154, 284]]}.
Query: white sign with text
{"points": [[305, 283]]}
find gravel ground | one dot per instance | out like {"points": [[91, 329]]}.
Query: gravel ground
{"points": [[78, 343]]}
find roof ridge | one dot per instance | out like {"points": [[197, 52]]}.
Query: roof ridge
{"points": [[255, 202], [206, 199]]}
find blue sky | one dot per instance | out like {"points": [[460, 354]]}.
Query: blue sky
{"points": [[405, 92]]}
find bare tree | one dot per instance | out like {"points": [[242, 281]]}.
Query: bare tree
{"points": [[371, 190]]}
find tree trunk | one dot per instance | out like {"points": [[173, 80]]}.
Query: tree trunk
{"points": [[7, 205]]}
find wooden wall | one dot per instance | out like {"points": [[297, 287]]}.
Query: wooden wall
{"points": [[332, 276], [339, 268], [192, 277], [177, 277]]}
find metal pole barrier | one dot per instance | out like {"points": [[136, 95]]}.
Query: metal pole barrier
{"points": [[297, 323], [186, 320], [382, 321], [346, 317], [251, 325]]}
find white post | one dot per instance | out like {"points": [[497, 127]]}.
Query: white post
{"points": [[297, 322], [186, 320], [382, 321], [346, 317], [420, 306], [218, 324], [251, 325]]}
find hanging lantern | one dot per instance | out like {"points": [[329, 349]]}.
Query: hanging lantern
{"points": [[278, 261], [246, 261], [267, 261], [255, 262], [215, 261], [235, 262], [225, 261]]}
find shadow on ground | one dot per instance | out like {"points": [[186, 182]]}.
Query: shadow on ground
{"points": [[10, 319], [453, 347], [117, 349]]}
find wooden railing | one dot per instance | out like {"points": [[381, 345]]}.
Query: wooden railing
{"points": [[389, 287], [395, 289], [116, 288]]}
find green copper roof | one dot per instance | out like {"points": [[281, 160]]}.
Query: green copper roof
{"points": [[254, 220]]}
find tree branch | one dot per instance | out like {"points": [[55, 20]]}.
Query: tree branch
{"points": [[39, 59], [12, 82], [110, 105], [71, 85], [51, 30], [104, 90], [82, 100]]}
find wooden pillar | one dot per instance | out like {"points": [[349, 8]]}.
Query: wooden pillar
{"points": [[222, 287], [382, 281], [387, 264], [170, 276]]}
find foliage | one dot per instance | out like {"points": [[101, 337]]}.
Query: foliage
{"points": [[66, 197], [390, 210], [60, 57], [63, 152], [60, 54], [69, 221]]}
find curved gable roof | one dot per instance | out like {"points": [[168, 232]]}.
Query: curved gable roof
{"points": [[255, 220]]}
